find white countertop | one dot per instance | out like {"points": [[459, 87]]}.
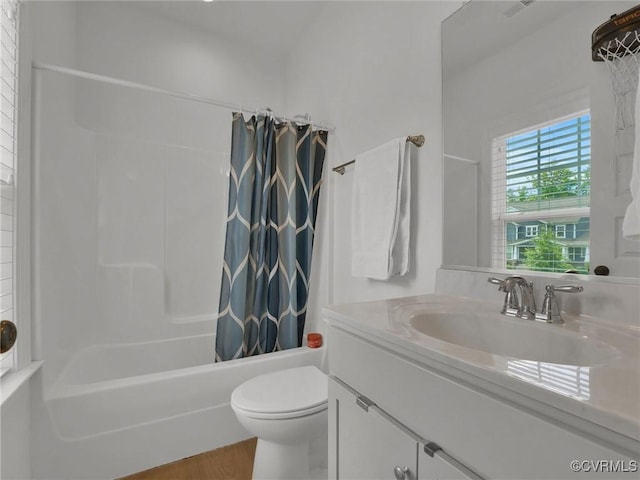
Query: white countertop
{"points": [[606, 394]]}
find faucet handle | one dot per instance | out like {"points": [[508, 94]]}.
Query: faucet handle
{"points": [[565, 288], [550, 308]]}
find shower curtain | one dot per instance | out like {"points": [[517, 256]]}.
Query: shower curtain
{"points": [[274, 186]]}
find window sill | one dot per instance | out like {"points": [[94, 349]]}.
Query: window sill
{"points": [[12, 381]]}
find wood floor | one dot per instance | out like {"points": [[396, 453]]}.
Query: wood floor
{"points": [[233, 462]]}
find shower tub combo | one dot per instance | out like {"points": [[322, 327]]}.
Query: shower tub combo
{"points": [[131, 407], [129, 266]]}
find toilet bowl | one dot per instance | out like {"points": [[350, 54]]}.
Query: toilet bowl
{"points": [[285, 410]]}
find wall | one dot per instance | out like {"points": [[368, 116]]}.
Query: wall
{"points": [[373, 70], [121, 41], [460, 218], [50, 35], [15, 451]]}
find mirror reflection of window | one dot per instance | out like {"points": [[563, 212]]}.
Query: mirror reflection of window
{"points": [[567, 380], [535, 66], [541, 195]]}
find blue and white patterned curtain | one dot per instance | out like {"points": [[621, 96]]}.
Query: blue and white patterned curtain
{"points": [[274, 186]]}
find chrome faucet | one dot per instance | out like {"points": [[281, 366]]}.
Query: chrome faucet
{"points": [[524, 306]]}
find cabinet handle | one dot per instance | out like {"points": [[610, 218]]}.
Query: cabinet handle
{"points": [[364, 402], [402, 473], [430, 448]]}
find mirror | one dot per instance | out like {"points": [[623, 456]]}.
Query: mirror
{"points": [[524, 106]]}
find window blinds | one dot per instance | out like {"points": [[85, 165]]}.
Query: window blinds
{"points": [[540, 176], [542, 169], [8, 97]]}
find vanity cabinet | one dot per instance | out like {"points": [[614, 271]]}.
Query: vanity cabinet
{"points": [[490, 432], [370, 444]]}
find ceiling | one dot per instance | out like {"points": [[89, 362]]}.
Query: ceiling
{"points": [[273, 25]]}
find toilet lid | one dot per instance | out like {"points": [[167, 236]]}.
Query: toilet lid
{"points": [[292, 391]]}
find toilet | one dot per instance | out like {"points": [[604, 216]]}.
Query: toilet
{"points": [[285, 410]]}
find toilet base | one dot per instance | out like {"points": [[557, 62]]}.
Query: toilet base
{"points": [[277, 461]]}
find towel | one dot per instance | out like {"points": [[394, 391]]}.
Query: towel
{"points": [[380, 211], [631, 223]]}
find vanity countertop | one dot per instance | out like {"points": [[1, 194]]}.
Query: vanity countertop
{"points": [[606, 394]]}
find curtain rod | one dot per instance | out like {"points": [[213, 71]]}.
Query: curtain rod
{"points": [[170, 93], [417, 140]]}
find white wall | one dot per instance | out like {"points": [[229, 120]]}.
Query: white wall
{"points": [[119, 40], [51, 35], [15, 451], [373, 70]]}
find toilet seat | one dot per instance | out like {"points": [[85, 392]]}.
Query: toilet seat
{"points": [[290, 393]]}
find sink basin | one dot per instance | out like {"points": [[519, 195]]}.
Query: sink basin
{"points": [[497, 334]]}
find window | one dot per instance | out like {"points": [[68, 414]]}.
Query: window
{"points": [[8, 83], [541, 179], [577, 254]]}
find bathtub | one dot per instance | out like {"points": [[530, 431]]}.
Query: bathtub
{"points": [[120, 409]]}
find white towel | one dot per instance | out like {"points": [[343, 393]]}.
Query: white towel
{"points": [[380, 211], [631, 223]]}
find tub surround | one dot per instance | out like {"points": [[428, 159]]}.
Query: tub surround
{"points": [[181, 408]]}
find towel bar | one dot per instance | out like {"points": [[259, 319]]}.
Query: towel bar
{"points": [[417, 140]]}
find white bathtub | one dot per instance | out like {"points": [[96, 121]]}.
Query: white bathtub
{"points": [[120, 409]]}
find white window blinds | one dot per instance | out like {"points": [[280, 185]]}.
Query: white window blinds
{"points": [[8, 97], [540, 188]]}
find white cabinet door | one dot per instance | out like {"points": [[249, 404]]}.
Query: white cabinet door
{"points": [[440, 466], [367, 444], [497, 439]]}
